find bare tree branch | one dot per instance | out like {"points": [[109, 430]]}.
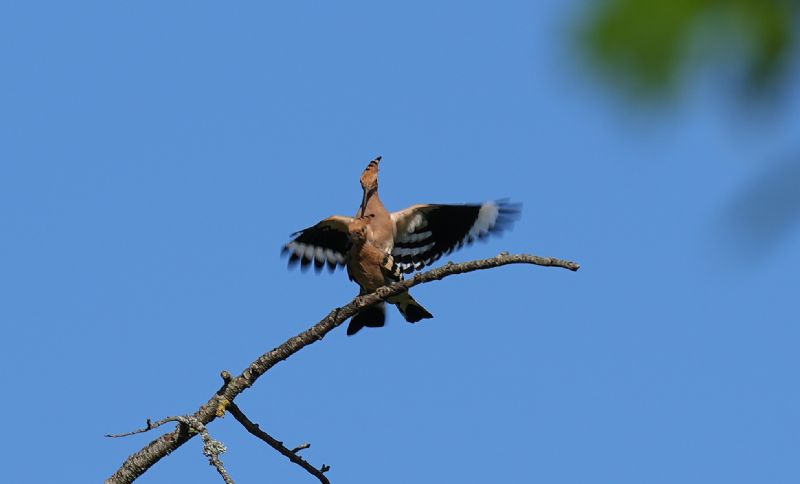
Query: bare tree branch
{"points": [[254, 429], [139, 462], [211, 448]]}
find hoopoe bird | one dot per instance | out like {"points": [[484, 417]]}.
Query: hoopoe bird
{"points": [[378, 247], [372, 268]]}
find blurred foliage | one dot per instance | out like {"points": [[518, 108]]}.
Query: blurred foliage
{"points": [[647, 44], [767, 209]]}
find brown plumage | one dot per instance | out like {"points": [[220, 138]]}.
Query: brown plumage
{"points": [[371, 268], [404, 241], [382, 229]]}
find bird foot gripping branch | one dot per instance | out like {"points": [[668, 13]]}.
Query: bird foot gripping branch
{"points": [[378, 247]]}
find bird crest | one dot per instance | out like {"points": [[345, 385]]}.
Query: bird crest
{"points": [[369, 179]]}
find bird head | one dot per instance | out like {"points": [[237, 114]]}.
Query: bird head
{"points": [[369, 179], [369, 182]]}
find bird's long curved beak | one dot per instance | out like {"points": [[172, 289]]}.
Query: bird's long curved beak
{"points": [[366, 194], [363, 203]]}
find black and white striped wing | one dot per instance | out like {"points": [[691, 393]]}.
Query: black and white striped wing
{"points": [[323, 244], [424, 233]]}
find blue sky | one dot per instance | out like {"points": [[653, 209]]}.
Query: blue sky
{"points": [[156, 156]]}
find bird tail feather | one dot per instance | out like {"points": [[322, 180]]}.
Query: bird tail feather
{"points": [[410, 308]]}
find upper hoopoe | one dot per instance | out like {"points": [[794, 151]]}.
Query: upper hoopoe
{"points": [[405, 241]]}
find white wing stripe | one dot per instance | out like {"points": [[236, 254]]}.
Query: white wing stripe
{"points": [[311, 252], [308, 252], [487, 217], [403, 251], [411, 238], [418, 222], [334, 257]]}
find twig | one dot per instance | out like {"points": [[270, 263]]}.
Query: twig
{"points": [[150, 426], [211, 448], [139, 462], [301, 447], [254, 429]]}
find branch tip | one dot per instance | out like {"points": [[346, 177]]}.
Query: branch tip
{"points": [[301, 447], [292, 455]]}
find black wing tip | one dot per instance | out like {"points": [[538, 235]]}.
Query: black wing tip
{"points": [[507, 214], [502, 224], [508, 208]]}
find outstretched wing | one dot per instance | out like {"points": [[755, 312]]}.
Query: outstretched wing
{"points": [[324, 243], [426, 232]]}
